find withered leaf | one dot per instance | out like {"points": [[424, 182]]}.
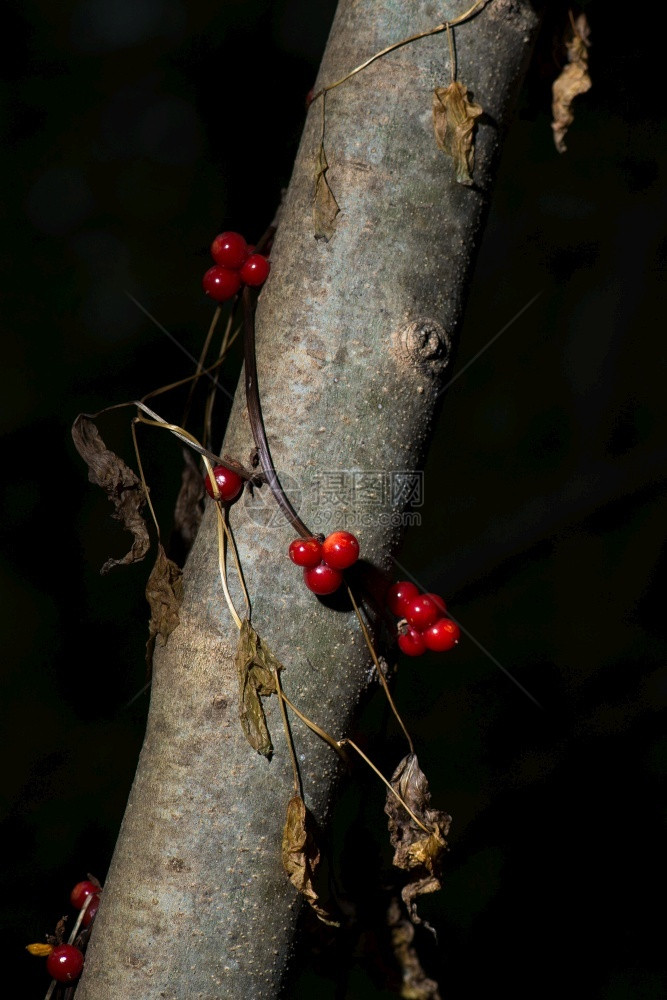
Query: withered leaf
{"points": [[454, 119], [573, 79], [301, 855], [188, 511], [414, 983], [121, 485], [255, 666], [325, 206], [164, 593], [416, 851]]}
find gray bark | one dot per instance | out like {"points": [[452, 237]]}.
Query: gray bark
{"points": [[354, 338]]}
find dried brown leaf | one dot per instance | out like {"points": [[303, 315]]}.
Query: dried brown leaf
{"points": [[256, 667], [301, 855], [416, 851], [454, 120], [325, 206], [573, 80], [164, 593], [188, 511], [414, 983], [119, 482]]}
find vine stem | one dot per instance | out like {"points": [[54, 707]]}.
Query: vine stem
{"points": [[222, 562], [322, 733], [383, 679], [347, 742], [445, 26], [298, 790], [257, 422]]}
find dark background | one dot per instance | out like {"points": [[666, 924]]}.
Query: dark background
{"points": [[133, 132]]}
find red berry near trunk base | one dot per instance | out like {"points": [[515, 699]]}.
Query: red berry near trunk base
{"points": [[255, 271], [306, 552], [229, 250], [442, 635], [421, 612], [91, 910], [65, 963], [229, 483], [340, 550], [81, 891], [398, 596], [220, 283], [411, 643], [322, 579]]}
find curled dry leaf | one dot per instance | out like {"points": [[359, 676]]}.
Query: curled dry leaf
{"points": [[573, 79], [454, 119], [121, 485], [415, 851], [325, 207], [256, 667], [188, 511], [41, 950], [414, 983], [301, 855], [164, 593]]}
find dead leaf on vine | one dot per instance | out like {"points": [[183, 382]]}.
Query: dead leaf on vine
{"points": [[256, 667], [164, 593], [416, 851], [414, 983], [325, 207], [454, 120], [188, 510], [301, 855], [121, 485], [573, 79]]}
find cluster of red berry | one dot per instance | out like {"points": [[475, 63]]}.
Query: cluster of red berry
{"points": [[424, 624], [323, 562], [64, 962], [229, 484], [236, 264]]}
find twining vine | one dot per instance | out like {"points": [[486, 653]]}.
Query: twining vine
{"points": [[417, 830]]}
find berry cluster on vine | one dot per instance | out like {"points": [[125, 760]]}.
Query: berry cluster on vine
{"points": [[323, 561], [424, 624], [236, 264]]}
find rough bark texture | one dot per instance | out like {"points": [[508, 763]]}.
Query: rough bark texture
{"points": [[354, 339]]}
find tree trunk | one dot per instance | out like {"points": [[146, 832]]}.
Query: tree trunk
{"points": [[354, 340]]}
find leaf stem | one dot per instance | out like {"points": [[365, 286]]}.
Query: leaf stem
{"points": [[380, 673]]}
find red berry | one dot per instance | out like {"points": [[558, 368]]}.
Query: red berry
{"points": [[220, 283], [438, 601], [229, 250], [91, 910], [340, 550], [65, 963], [81, 891], [305, 552], [322, 579], [255, 271], [442, 635], [398, 596], [421, 611], [229, 483], [411, 643]]}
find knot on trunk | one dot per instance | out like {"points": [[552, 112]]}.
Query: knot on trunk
{"points": [[425, 344]]}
